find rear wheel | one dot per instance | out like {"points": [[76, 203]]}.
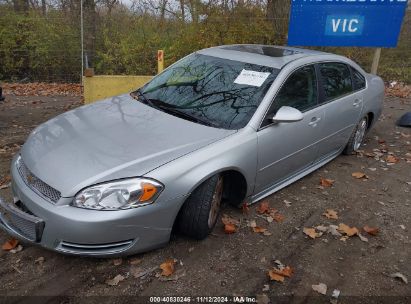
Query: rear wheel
{"points": [[357, 137], [199, 213]]}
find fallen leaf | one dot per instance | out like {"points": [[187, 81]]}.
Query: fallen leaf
{"points": [[349, 231], [344, 238], [17, 249], [371, 230], [167, 267], [333, 229], [230, 224], [39, 260], [279, 264], [362, 238], [229, 220], [335, 294], [272, 212], [287, 203], [320, 288], [245, 208], [267, 233], [326, 182], [5, 186], [392, 159], [259, 229], [10, 244], [230, 228], [312, 233], [275, 276], [177, 275], [136, 272], [286, 271], [117, 279], [331, 214], [43, 89], [263, 207], [399, 275], [135, 261], [118, 262], [278, 217], [252, 224], [5, 180], [359, 175], [322, 228]]}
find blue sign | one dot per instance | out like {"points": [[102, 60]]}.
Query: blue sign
{"points": [[371, 23]]}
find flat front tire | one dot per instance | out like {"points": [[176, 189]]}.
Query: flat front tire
{"points": [[357, 137], [199, 213]]}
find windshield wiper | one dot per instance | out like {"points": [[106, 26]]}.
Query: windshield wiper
{"points": [[139, 95], [172, 110]]}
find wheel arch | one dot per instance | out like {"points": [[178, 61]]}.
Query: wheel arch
{"points": [[233, 179], [370, 119]]}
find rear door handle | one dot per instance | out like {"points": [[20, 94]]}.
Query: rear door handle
{"points": [[314, 121], [357, 102]]}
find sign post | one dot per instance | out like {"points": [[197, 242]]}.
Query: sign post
{"points": [[361, 23], [160, 61], [375, 61]]}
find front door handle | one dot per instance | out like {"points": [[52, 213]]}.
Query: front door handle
{"points": [[314, 121], [357, 102]]}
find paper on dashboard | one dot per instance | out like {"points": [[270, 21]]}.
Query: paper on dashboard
{"points": [[252, 78]]}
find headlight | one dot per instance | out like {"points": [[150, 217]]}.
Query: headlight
{"points": [[118, 195]]}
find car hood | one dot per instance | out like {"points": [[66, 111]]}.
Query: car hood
{"points": [[111, 139]]}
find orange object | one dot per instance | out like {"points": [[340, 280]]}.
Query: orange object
{"points": [[148, 192]]}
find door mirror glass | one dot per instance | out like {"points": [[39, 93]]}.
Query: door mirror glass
{"points": [[287, 114]]}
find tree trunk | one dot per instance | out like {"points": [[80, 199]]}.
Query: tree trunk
{"points": [[43, 7], [21, 6], [182, 10], [90, 20]]}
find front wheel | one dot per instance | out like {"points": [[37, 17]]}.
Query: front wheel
{"points": [[357, 137], [199, 213]]}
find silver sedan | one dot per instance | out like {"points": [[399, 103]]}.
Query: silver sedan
{"points": [[226, 124]]}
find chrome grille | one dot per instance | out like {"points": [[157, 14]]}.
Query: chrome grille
{"points": [[36, 184], [26, 226], [19, 221]]}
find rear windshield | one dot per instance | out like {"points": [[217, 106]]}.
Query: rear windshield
{"points": [[218, 92]]}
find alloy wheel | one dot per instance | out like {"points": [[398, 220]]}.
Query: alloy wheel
{"points": [[360, 133]]}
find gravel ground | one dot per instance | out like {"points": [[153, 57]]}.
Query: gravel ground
{"points": [[237, 264]]}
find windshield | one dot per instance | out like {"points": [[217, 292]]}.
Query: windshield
{"points": [[209, 90]]}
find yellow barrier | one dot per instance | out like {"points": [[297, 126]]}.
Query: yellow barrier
{"points": [[100, 87]]}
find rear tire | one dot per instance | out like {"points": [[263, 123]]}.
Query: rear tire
{"points": [[199, 213], [357, 137]]}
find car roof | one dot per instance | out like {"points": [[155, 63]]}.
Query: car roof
{"points": [[266, 55]]}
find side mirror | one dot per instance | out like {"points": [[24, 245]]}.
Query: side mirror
{"points": [[287, 114]]}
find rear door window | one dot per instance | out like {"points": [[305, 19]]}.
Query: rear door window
{"points": [[336, 79], [358, 80]]}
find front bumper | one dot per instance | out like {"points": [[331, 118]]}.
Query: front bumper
{"points": [[63, 228]]}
